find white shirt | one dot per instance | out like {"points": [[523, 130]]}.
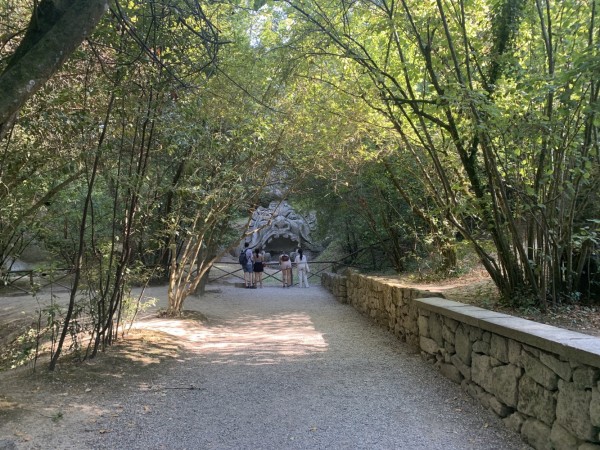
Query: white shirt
{"points": [[302, 264]]}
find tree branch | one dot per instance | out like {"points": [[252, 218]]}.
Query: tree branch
{"points": [[39, 56]]}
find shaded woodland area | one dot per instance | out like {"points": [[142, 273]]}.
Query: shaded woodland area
{"points": [[137, 138]]}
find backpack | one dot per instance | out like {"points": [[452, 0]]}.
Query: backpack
{"points": [[243, 259]]}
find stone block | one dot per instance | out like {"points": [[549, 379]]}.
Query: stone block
{"points": [[505, 384], [412, 340], [451, 372], [447, 356], [561, 368], [435, 329], [475, 333], [514, 352], [514, 422], [471, 388], [387, 294], [399, 312], [391, 324], [481, 347], [390, 309], [494, 362], [449, 347], [595, 407], [481, 371], [431, 359], [428, 345], [573, 411], [413, 312], [423, 322], [536, 434], [500, 408], [539, 372], [448, 334], [499, 348], [451, 324], [484, 398], [396, 296], [410, 325], [536, 401], [585, 377], [461, 366], [561, 439], [486, 337], [531, 350], [398, 330], [463, 345]]}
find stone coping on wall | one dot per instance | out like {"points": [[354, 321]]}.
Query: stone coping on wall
{"points": [[569, 344]]}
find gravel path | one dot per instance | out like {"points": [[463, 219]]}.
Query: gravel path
{"points": [[281, 368]]}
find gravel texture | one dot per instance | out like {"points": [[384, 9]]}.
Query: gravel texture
{"points": [[278, 368]]}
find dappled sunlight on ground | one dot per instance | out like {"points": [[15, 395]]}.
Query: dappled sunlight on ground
{"points": [[246, 339], [6, 405], [146, 349]]}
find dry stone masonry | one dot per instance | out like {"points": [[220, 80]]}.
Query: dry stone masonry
{"points": [[542, 380]]}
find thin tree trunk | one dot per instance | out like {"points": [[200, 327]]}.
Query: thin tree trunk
{"points": [[55, 30], [79, 260]]}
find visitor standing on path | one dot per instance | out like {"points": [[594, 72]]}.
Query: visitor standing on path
{"points": [[258, 267], [303, 269], [285, 264], [247, 265]]}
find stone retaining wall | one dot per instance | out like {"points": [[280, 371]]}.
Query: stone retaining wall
{"points": [[542, 380]]}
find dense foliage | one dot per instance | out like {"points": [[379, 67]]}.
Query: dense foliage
{"points": [[497, 105]]}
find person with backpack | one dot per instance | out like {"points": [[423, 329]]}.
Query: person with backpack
{"points": [[285, 263], [247, 263], [302, 265]]}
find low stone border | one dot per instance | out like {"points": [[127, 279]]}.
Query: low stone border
{"points": [[542, 380]]}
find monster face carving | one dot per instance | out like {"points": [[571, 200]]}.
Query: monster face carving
{"points": [[279, 228]]}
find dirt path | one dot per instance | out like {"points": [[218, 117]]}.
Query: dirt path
{"points": [[268, 368]]}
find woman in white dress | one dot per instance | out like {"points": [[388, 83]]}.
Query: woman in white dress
{"points": [[302, 266]]}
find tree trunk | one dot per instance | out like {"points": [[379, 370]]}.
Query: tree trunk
{"points": [[55, 30]]}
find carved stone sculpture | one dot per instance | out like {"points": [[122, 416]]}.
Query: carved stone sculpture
{"points": [[279, 228]]}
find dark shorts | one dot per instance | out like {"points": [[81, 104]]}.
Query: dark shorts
{"points": [[258, 266]]}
